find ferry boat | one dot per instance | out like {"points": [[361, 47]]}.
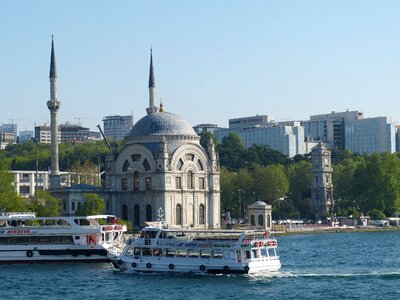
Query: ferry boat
{"points": [[25, 238], [160, 249]]}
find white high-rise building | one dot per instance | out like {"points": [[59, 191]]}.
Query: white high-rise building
{"points": [[117, 127], [286, 137]]}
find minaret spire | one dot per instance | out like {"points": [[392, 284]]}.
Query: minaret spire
{"points": [[152, 87], [53, 105]]}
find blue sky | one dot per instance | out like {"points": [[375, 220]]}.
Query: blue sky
{"points": [[213, 60]]}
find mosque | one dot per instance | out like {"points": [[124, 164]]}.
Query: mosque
{"points": [[161, 165]]}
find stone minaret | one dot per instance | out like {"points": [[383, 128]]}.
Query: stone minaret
{"points": [[321, 184], [53, 105], [152, 88]]}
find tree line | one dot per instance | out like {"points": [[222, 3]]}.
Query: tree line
{"points": [[362, 184]]}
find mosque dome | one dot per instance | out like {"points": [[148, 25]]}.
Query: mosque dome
{"points": [[161, 123], [259, 203]]}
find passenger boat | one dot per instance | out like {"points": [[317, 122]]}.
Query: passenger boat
{"points": [[160, 249], [26, 238]]}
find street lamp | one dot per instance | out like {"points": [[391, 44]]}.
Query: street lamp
{"points": [[240, 204]]}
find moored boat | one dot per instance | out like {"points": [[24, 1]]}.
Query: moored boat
{"points": [[25, 238], [162, 249]]}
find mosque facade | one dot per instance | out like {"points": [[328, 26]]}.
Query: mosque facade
{"points": [[163, 165]]}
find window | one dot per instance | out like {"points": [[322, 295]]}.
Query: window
{"points": [[136, 181], [124, 184], [252, 220], [201, 183], [136, 215], [148, 183], [135, 157], [178, 214], [260, 220], [180, 164], [201, 214], [180, 252], [124, 212], [125, 167], [178, 182], [189, 183], [73, 206], [148, 213], [146, 165]]}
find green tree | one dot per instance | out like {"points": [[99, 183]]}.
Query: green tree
{"points": [[376, 214], [9, 199], [231, 151], [270, 183], [93, 205], [45, 205], [263, 155], [300, 187]]}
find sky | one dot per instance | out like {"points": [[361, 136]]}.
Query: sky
{"points": [[213, 60]]}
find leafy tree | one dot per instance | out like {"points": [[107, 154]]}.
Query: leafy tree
{"points": [[86, 172], [93, 205], [231, 151], [376, 214], [299, 175], [263, 155], [9, 199], [270, 183], [45, 205], [205, 136]]}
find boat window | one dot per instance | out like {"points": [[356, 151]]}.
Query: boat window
{"points": [[157, 252], [180, 252], [263, 252], [271, 252], [193, 253], [205, 253], [168, 252], [146, 251], [256, 254], [136, 252], [217, 253]]}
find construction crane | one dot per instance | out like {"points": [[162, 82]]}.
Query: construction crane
{"points": [[104, 137]]}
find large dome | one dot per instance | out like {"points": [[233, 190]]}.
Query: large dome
{"points": [[162, 123]]}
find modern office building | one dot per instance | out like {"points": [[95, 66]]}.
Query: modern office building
{"points": [[66, 133], [286, 137], [205, 127], [6, 138], [370, 135], [117, 127], [11, 127], [25, 136]]}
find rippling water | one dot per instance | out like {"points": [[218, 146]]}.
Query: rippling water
{"points": [[322, 266]]}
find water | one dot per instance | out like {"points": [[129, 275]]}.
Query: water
{"points": [[322, 266]]}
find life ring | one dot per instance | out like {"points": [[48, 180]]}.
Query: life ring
{"points": [[202, 268], [246, 269], [171, 266], [120, 262], [29, 253], [148, 265], [134, 265], [226, 268]]}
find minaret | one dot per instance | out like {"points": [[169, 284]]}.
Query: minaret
{"points": [[152, 88], [53, 105]]}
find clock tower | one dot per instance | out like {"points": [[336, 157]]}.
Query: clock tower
{"points": [[321, 184]]}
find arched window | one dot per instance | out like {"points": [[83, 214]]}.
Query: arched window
{"points": [[178, 214], [202, 220], [260, 220], [125, 212], [136, 215], [189, 180], [252, 220], [148, 213], [136, 181], [125, 167]]}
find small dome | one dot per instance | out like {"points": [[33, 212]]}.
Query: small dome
{"points": [[162, 123], [259, 203]]}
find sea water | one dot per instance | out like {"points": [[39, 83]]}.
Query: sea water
{"points": [[362, 265]]}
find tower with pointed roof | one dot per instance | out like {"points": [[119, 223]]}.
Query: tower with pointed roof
{"points": [[54, 105], [152, 87]]}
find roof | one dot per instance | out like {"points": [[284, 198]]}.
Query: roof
{"points": [[162, 123]]}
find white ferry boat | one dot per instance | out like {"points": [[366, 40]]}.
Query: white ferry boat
{"points": [[26, 238], [159, 249]]}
